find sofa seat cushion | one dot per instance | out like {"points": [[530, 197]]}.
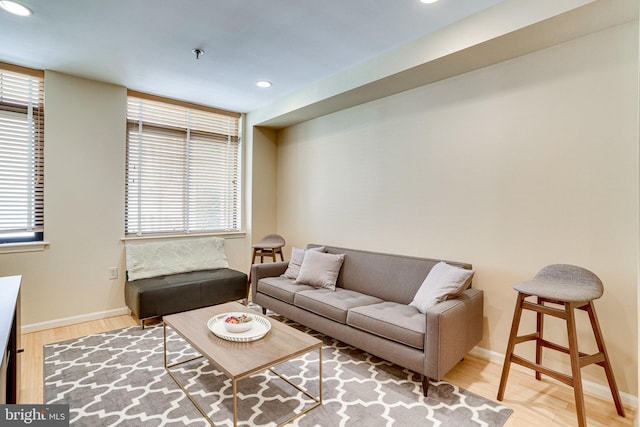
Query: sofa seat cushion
{"points": [[397, 322], [332, 304], [281, 288]]}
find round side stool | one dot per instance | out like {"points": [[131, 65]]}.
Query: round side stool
{"points": [[269, 246], [566, 288]]}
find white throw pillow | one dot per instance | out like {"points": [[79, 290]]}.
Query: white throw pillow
{"points": [[297, 256], [159, 258], [320, 269], [443, 281]]}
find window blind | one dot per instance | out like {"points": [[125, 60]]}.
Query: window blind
{"points": [[21, 154], [183, 168]]}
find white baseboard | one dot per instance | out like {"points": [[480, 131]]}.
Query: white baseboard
{"points": [[41, 326], [589, 387]]}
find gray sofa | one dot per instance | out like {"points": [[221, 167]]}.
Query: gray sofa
{"points": [[370, 310]]}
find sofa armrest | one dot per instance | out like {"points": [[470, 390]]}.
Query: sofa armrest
{"points": [[454, 327], [259, 271]]}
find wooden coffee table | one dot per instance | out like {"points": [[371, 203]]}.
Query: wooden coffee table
{"points": [[238, 360]]}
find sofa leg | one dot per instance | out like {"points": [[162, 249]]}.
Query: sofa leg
{"points": [[425, 385], [141, 323], [264, 311]]}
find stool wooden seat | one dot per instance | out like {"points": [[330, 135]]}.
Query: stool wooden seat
{"points": [[269, 246], [570, 288]]}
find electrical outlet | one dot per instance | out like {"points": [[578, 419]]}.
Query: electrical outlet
{"points": [[113, 273]]}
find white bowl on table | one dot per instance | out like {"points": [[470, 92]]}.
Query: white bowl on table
{"points": [[245, 323]]}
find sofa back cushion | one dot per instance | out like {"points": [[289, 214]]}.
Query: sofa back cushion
{"points": [[389, 277]]}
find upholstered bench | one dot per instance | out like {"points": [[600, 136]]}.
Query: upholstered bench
{"points": [[168, 277]]}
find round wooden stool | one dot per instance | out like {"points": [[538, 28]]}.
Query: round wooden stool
{"points": [[269, 246], [569, 287]]}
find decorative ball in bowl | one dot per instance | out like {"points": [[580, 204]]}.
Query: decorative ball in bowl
{"points": [[238, 323]]}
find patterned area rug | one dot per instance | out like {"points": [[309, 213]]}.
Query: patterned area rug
{"points": [[118, 378]]}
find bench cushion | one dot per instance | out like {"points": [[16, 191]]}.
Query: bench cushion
{"points": [[158, 296]]}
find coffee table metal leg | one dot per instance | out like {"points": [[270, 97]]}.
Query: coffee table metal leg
{"points": [[318, 399], [184, 390], [320, 372], [235, 402]]}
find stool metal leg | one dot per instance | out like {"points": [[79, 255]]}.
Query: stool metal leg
{"points": [[515, 324]]}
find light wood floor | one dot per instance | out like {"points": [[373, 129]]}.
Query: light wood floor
{"points": [[535, 403]]}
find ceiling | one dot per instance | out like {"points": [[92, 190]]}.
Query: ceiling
{"points": [[146, 45]]}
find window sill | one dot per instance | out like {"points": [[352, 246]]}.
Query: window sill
{"points": [[229, 235], [10, 248]]}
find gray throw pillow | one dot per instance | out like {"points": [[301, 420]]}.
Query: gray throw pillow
{"points": [[443, 281], [297, 256], [320, 270]]}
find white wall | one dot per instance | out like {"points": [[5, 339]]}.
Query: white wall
{"points": [[263, 182], [85, 152], [512, 167]]}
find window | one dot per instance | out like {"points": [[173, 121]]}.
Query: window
{"points": [[183, 168], [21, 154]]}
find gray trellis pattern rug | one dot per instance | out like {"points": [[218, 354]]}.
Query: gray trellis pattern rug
{"points": [[118, 378]]}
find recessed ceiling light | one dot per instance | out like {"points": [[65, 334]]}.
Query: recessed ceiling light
{"points": [[15, 8], [263, 83], [428, 1]]}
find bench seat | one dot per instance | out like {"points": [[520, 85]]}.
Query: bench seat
{"points": [[174, 293]]}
